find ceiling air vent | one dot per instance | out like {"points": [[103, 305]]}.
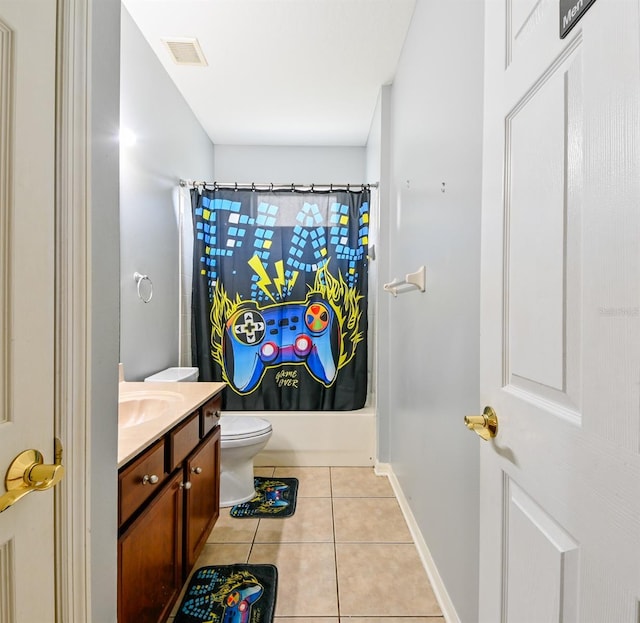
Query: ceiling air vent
{"points": [[185, 51]]}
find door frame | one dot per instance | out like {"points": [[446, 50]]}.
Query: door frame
{"points": [[72, 312]]}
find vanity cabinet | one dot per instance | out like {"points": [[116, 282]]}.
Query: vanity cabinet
{"points": [[169, 499]]}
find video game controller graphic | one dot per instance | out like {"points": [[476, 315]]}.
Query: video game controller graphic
{"points": [[256, 339], [273, 496], [238, 603]]}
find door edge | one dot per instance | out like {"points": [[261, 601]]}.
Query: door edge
{"points": [[72, 358]]}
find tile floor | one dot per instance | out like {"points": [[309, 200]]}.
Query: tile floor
{"points": [[345, 553]]}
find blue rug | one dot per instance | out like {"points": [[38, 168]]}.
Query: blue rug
{"points": [[275, 497], [230, 594]]}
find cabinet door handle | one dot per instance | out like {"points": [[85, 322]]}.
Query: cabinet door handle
{"points": [[196, 470], [215, 414], [152, 480], [185, 485]]}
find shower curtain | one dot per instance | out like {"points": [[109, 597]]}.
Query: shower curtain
{"points": [[279, 299]]}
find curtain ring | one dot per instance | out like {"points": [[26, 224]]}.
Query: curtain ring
{"points": [[312, 187], [271, 187], [347, 187], [235, 187], [253, 187], [293, 188], [215, 186], [330, 188]]}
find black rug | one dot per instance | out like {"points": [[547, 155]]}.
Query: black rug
{"points": [[230, 594], [275, 497]]}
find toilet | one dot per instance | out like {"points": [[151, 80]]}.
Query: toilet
{"points": [[241, 438]]}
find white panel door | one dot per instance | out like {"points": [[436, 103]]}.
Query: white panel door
{"points": [[27, 160], [560, 354]]}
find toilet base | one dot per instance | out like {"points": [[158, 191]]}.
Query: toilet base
{"points": [[236, 486]]}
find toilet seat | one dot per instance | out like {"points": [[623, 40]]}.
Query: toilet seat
{"points": [[234, 427]]}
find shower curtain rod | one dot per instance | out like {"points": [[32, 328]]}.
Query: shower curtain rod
{"points": [[272, 186]]}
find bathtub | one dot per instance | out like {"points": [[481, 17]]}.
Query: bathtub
{"points": [[318, 438]]}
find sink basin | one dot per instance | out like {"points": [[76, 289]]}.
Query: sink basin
{"points": [[141, 407]]}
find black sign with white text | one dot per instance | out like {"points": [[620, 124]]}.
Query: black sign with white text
{"points": [[571, 12]]}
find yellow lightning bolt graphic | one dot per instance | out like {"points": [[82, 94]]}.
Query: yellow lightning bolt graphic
{"points": [[264, 280], [279, 281]]}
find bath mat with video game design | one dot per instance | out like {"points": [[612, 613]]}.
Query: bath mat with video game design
{"points": [[230, 594], [275, 497]]}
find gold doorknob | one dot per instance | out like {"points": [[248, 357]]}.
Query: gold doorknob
{"points": [[485, 425], [28, 472]]}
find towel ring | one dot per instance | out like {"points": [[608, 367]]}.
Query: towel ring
{"points": [[139, 279]]}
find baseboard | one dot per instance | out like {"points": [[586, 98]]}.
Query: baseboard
{"points": [[448, 610]]}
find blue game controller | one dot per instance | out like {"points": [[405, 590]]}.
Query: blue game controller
{"points": [[238, 603], [273, 496], [303, 333]]}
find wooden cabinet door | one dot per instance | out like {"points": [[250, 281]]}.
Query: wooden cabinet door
{"points": [[203, 498], [150, 558]]}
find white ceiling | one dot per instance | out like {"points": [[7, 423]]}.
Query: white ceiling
{"points": [[281, 72]]}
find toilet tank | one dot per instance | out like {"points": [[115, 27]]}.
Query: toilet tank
{"points": [[174, 375]]}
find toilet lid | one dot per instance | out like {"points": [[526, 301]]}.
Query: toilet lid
{"points": [[241, 427]]}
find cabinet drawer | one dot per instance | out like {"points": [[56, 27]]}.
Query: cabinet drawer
{"points": [[210, 415], [183, 440], [140, 480]]}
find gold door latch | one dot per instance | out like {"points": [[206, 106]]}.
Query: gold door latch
{"points": [[28, 472], [485, 425]]}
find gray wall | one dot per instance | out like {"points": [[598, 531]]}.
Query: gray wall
{"points": [[300, 165], [432, 340], [170, 145], [102, 488]]}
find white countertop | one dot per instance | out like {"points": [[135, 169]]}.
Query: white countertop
{"points": [[185, 398]]}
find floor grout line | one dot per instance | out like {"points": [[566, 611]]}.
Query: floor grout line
{"points": [[335, 551]]}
